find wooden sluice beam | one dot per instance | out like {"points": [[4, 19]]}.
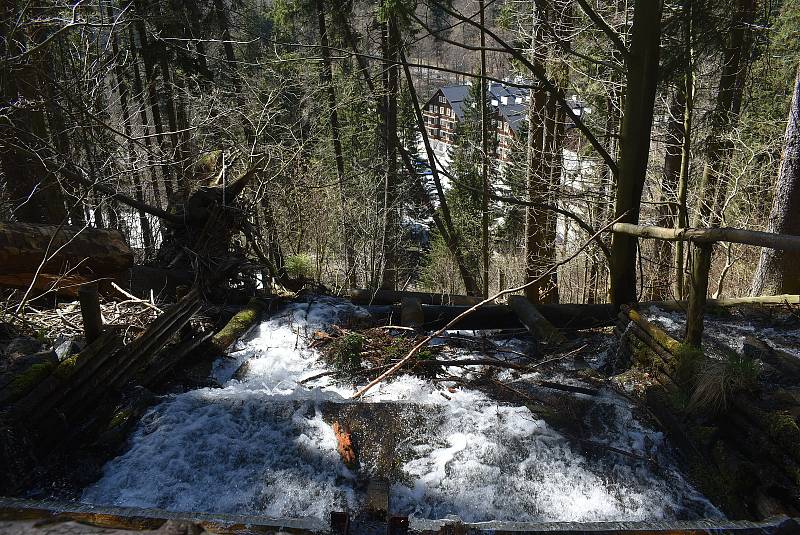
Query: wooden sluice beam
{"points": [[137, 519]]}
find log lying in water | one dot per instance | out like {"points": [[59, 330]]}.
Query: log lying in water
{"points": [[239, 324], [534, 321], [365, 296], [562, 316]]}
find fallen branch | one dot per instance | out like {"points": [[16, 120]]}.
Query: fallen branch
{"points": [[133, 299], [488, 300]]}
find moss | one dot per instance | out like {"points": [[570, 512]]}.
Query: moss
{"points": [[66, 367], [782, 428], [24, 382], [238, 324], [348, 353], [120, 418]]}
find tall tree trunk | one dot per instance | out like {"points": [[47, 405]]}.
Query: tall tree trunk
{"points": [[33, 187], [146, 53], [682, 220], [725, 116], [390, 43], [148, 143], [444, 223], [122, 89], [778, 272], [535, 218], [668, 213], [326, 77], [485, 118], [637, 123]]}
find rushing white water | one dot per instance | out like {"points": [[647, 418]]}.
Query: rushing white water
{"points": [[260, 445]]}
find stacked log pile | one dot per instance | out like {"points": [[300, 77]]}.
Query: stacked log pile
{"points": [[52, 403], [734, 416]]}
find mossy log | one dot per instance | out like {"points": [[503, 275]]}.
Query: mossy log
{"points": [[534, 321], [238, 325], [665, 340]]}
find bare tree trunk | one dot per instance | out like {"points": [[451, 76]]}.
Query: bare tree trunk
{"points": [[444, 223], [728, 103], [637, 123], [152, 95], [122, 89], [660, 288], [326, 77], [390, 43], [33, 187], [484, 158], [682, 220], [778, 272], [148, 144]]}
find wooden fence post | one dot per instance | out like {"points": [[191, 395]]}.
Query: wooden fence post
{"points": [[698, 290], [90, 311]]}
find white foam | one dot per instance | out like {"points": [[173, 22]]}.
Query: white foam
{"points": [[233, 449]]}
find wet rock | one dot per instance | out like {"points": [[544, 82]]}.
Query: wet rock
{"points": [[66, 348], [22, 345], [25, 368]]}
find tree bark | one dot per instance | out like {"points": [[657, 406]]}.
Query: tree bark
{"points": [[485, 118], [778, 272], [637, 122], [34, 189], [326, 77], [668, 213], [390, 42], [728, 103]]}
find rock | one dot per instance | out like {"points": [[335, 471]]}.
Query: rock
{"points": [[26, 368], [66, 348], [21, 346]]}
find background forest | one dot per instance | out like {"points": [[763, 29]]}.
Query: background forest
{"points": [[114, 114]]}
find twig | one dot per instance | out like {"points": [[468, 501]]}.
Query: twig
{"points": [[473, 308], [135, 299]]}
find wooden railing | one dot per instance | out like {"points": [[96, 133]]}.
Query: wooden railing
{"points": [[703, 240]]}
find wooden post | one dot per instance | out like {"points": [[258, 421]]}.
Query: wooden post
{"points": [[90, 311], [701, 262]]}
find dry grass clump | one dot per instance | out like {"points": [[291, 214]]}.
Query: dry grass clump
{"points": [[716, 380]]}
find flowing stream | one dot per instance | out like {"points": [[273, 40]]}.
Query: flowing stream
{"points": [[261, 445]]}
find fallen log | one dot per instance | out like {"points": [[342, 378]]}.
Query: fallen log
{"points": [[786, 363], [239, 324], [665, 340], [534, 321], [74, 250], [365, 296]]}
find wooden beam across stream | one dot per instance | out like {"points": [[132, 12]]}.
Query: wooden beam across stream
{"points": [[703, 240]]}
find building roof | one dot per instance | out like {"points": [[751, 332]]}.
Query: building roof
{"points": [[510, 101]]}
